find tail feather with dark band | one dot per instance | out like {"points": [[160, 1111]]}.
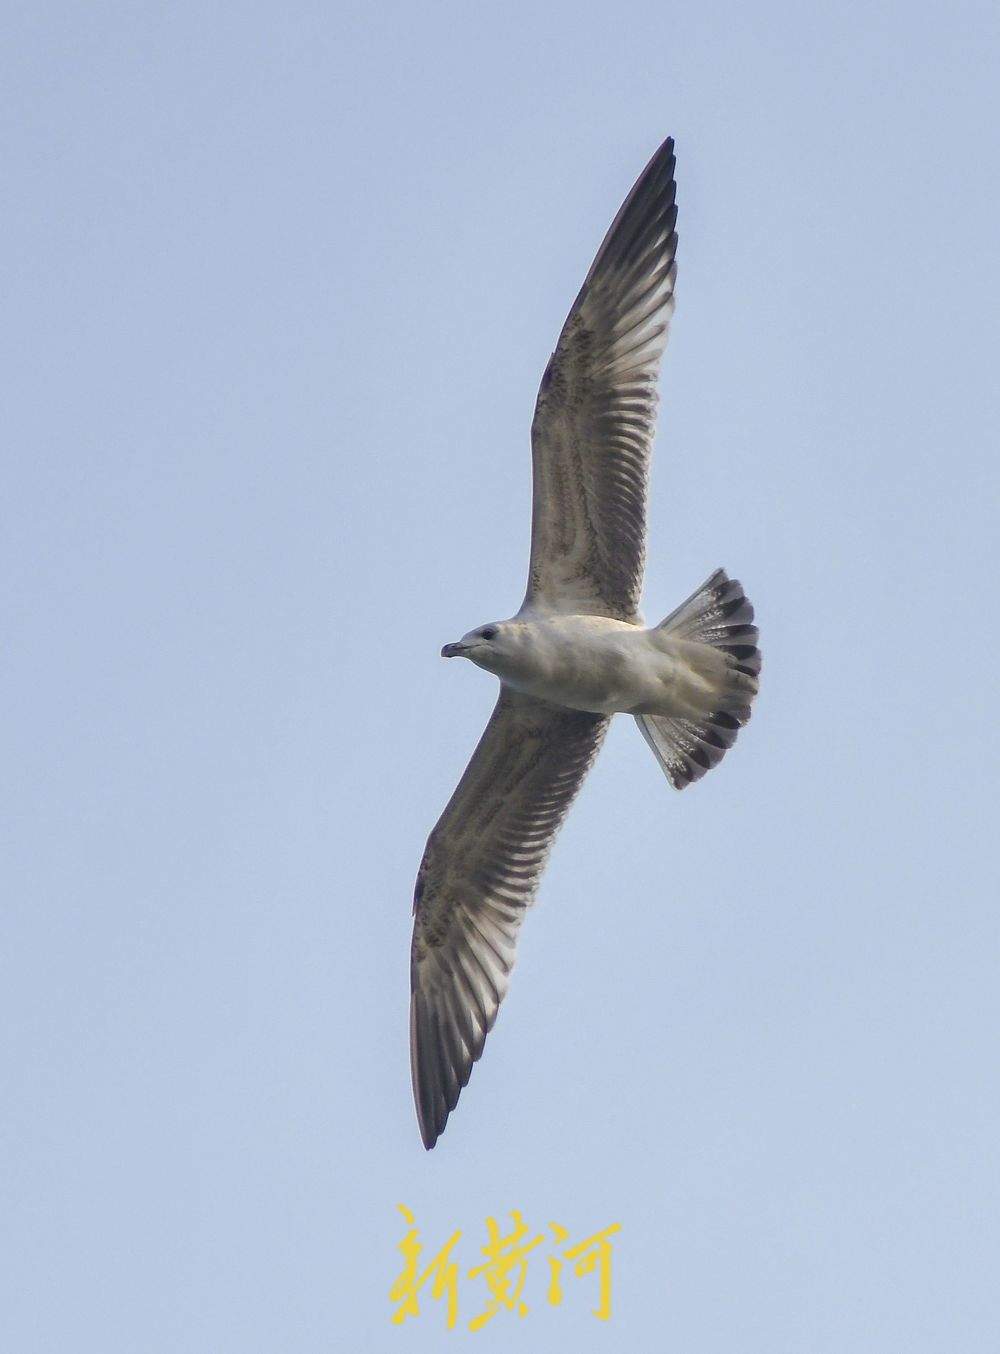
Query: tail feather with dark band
{"points": [[718, 614]]}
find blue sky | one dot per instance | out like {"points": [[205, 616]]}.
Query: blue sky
{"points": [[280, 283]]}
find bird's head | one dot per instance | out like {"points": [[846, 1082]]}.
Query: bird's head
{"points": [[492, 646]]}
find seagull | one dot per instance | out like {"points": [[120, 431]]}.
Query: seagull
{"points": [[576, 653]]}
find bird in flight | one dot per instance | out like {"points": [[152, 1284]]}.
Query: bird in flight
{"points": [[575, 653]]}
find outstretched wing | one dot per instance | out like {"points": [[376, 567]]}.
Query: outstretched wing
{"points": [[479, 873], [593, 427]]}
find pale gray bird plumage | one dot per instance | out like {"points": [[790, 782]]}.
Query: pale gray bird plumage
{"points": [[575, 653]]}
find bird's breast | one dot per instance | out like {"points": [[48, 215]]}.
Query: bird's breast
{"points": [[585, 663]]}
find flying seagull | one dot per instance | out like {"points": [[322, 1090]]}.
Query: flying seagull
{"points": [[576, 653]]}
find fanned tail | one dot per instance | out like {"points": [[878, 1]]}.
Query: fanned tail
{"points": [[720, 615]]}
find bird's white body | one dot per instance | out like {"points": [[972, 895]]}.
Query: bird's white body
{"points": [[601, 665]]}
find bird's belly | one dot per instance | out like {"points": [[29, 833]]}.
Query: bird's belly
{"points": [[604, 675]]}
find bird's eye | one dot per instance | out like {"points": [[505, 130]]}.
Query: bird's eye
{"points": [[489, 632]]}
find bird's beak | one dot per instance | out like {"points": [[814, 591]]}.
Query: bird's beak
{"points": [[452, 650]]}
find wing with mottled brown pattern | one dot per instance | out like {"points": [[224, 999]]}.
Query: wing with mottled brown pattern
{"points": [[593, 426], [479, 873]]}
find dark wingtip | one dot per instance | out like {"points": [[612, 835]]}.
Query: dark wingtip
{"points": [[650, 200], [426, 1102], [663, 158], [428, 1137], [665, 154]]}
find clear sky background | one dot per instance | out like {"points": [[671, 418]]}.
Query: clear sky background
{"points": [[279, 286]]}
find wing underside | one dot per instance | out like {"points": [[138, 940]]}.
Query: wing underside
{"points": [[594, 417], [478, 875]]}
